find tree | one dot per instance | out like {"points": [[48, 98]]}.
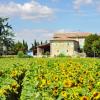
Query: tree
{"points": [[35, 43], [21, 46], [25, 47], [34, 47], [11, 49], [18, 47], [41, 43], [88, 44], [46, 42], [6, 34], [96, 48]]}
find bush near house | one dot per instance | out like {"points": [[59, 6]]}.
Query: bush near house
{"points": [[49, 79], [61, 55], [20, 54]]}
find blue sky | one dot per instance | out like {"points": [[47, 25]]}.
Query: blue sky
{"points": [[40, 19]]}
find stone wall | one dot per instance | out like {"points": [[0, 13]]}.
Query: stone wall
{"points": [[63, 47]]}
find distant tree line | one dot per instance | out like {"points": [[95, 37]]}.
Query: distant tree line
{"points": [[7, 44], [20, 46]]}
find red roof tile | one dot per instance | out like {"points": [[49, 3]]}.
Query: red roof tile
{"points": [[70, 35]]}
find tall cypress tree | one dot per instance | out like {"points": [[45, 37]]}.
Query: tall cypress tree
{"points": [[25, 46]]}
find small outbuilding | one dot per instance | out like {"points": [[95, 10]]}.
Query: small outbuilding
{"points": [[43, 49]]}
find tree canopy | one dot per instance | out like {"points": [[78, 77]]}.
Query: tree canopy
{"points": [[91, 44], [96, 48], [6, 34]]}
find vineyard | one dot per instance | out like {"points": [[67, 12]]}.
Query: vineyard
{"points": [[49, 79]]}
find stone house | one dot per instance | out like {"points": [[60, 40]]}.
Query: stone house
{"points": [[67, 47], [78, 36], [63, 43]]}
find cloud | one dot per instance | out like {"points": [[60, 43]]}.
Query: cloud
{"points": [[30, 35], [79, 3], [97, 3], [92, 3], [29, 10]]}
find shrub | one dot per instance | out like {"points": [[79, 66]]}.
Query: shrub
{"points": [[20, 54], [61, 55]]}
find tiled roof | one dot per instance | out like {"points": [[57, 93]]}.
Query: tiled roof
{"points": [[63, 38], [70, 35]]}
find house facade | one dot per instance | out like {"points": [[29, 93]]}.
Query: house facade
{"points": [[67, 47], [63, 43], [77, 36]]}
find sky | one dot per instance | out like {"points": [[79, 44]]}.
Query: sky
{"points": [[40, 19]]}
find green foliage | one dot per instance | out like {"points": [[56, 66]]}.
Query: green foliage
{"points": [[20, 54], [27, 56], [88, 44], [96, 48], [6, 34], [61, 55], [25, 47], [19, 46]]}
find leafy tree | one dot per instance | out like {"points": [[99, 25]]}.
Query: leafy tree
{"points": [[11, 49], [6, 34], [96, 48], [88, 44]]}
